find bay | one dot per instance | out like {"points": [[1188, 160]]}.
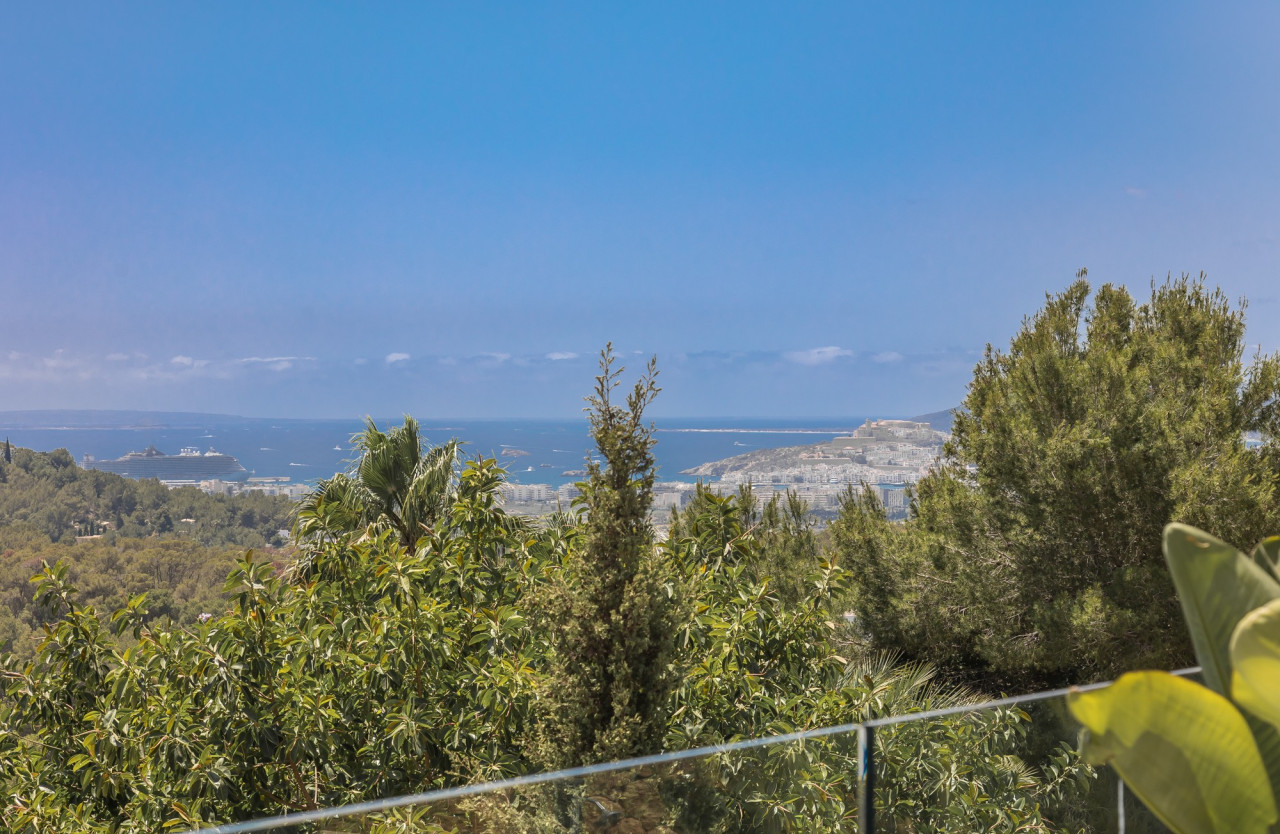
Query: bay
{"points": [[305, 450]]}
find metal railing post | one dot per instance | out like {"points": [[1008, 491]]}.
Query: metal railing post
{"points": [[1119, 805], [866, 779]]}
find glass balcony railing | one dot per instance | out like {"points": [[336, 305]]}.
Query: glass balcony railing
{"points": [[1003, 766], [923, 773]]}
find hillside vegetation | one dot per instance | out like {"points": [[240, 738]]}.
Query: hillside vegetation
{"points": [[181, 578], [118, 538], [48, 491]]}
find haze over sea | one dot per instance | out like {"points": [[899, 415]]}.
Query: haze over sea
{"points": [[305, 450]]}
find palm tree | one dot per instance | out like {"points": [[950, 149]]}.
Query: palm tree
{"points": [[397, 484]]}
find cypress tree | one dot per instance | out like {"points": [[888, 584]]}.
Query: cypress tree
{"points": [[611, 623]]}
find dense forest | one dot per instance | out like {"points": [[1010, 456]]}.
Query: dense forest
{"points": [[422, 637], [119, 538], [181, 578]]}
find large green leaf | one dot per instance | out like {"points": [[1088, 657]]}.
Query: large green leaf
{"points": [[1255, 655], [1183, 749], [1217, 586], [1267, 555]]}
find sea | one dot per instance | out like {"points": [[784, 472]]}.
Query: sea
{"points": [[532, 451]]}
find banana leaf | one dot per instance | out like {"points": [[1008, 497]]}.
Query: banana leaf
{"points": [[1183, 749], [1217, 586], [1267, 556], [1255, 656]]}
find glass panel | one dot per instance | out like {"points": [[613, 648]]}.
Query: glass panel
{"points": [[807, 784], [1011, 766], [1006, 768]]}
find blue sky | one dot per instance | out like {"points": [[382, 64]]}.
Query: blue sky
{"points": [[323, 209]]}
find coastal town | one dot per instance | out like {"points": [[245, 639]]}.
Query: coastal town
{"points": [[885, 455]]}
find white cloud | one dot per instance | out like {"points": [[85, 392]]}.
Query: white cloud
{"points": [[497, 357], [556, 356], [58, 367], [60, 360], [1135, 192], [118, 367], [179, 367], [393, 358], [887, 356], [275, 363], [817, 356]]}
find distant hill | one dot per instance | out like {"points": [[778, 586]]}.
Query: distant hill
{"points": [[784, 457], [939, 420], [48, 492], [875, 447]]}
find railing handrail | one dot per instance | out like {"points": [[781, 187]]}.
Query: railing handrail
{"points": [[1012, 700]]}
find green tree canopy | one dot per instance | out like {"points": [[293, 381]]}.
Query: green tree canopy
{"points": [[1032, 555]]}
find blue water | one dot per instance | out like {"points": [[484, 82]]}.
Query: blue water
{"points": [[305, 450]]}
